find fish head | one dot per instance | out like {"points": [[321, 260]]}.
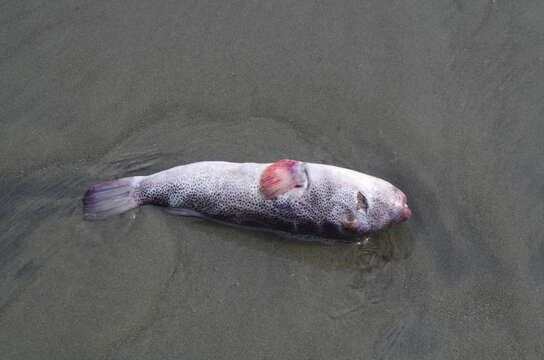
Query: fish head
{"points": [[375, 204]]}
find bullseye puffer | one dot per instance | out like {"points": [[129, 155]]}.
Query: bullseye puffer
{"points": [[288, 195]]}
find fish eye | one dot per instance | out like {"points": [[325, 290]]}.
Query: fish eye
{"points": [[362, 203], [350, 218], [350, 221]]}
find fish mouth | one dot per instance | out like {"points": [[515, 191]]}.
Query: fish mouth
{"points": [[405, 213], [402, 214]]}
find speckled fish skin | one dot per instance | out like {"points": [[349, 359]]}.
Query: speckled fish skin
{"points": [[329, 204]]}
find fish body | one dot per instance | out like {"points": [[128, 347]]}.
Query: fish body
{"points": [[287, 195]]}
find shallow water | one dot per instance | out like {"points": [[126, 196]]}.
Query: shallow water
{"points": [[442, 98]]}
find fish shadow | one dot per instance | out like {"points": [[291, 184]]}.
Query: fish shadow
{"points": [[365, 255]]}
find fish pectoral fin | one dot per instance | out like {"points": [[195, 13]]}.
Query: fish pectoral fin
{"points": [[282, 176], [183, 212]]}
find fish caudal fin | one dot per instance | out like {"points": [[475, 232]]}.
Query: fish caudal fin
{"points": [[111, 198]]}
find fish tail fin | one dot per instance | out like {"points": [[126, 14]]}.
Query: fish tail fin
{"points": [[111, 198]]}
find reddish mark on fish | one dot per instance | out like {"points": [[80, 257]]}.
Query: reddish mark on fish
{"points": [[280, 177]]}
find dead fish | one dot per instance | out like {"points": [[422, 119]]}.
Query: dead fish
{"points": [[288, 195]]}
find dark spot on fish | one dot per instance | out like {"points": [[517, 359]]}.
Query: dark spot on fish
{"points": [[362, 203], [330, 228], [308, 227]]}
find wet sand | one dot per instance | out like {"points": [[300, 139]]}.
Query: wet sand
{"points": [[442, 98]]}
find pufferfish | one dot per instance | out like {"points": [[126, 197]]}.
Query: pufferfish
{"points": [[289, 196]]}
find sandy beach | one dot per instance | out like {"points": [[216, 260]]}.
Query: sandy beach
{"points": [[442, 98]]}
